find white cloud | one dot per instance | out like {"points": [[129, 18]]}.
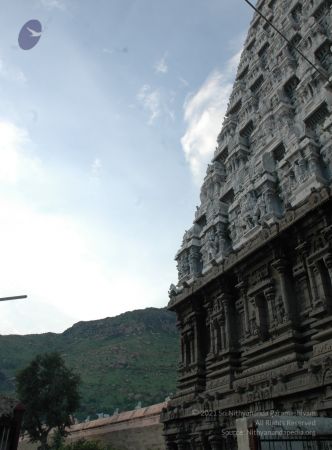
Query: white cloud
{"points": [[161, 66], [157, 103], [109, 51], [59, 259], [15, 162], [46, 257], [11, 73], [53, 260], [203, 113], [151, 101], [95, 169], [26, 316], [53, 4], [183, 81]]}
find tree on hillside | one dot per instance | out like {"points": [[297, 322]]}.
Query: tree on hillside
{"points": [[50, 394]]}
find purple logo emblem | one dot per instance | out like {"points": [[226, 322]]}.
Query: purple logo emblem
{"points": [[30, 34]]}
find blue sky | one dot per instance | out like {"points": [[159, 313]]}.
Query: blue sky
{"points": [[106, 127]]}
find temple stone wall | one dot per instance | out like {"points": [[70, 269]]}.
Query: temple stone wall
{"points": [[131, 430], [254, 292], [275, 143]]}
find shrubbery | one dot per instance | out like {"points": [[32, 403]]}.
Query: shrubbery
{"points": [[82, 444]]}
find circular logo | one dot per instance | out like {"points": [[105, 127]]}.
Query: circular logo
{"points": [[30, 34]]}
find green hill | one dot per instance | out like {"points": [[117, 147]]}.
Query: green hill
{"points": [[122, 360]]}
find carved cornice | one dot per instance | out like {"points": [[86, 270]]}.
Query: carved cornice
{"points": [[315, 201]]}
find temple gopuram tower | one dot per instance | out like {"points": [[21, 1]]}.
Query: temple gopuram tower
{"points": [[254, 295]]}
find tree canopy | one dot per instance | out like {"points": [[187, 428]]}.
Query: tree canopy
{"points": [[50, 393]]}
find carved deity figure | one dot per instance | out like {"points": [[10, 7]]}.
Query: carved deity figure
{"points": [[247, 210], [183, 265], [324, 136], [292, 180], [300, 170], [185, 237], [221, 238], [269, 206], [326, 154], [288, 125], [211, 246], [253, 327], [234, 230], [279, 310], [270, 124], [203, 194], [194, 260], [217, 305], [260, 210], [173, 291], [218, 338]]}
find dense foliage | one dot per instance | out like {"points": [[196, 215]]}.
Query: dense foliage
{"points": [[50, 394], [86, 445], [58, 443], [122, 360]]}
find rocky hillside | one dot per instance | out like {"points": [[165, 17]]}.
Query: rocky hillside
{"points": [[122, 360]]}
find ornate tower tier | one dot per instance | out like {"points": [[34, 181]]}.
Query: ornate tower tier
{"points": [[254, 294]]}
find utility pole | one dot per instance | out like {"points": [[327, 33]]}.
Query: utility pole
{"points": [[288, 41]]}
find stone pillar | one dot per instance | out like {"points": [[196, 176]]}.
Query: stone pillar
{"points": [[313, 284], [282, 268], [221, 332], [198, 446], [318, 290], [314, 162], [185, 344], [194, 261], [216, 442], [182, 444], [215, 338], [193, 346], [302, 249], [211, 337], [202, 441], [195, 338], [270, 296], [263, 318], [170, 445], [217, 342], [253, 318], [222, 238], [183, 353], [243, 291], [328, 262], [324, 273], [199, 346], [216, 445], [226, 304]]}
